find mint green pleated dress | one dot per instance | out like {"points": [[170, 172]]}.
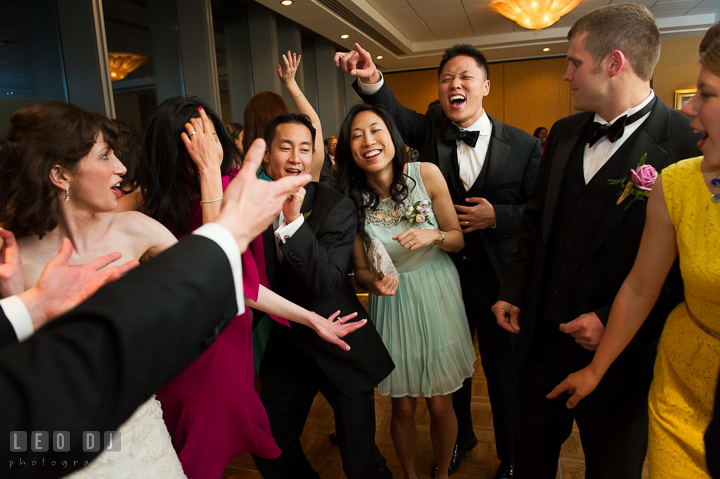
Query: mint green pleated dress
{"points": [[423, 325]]}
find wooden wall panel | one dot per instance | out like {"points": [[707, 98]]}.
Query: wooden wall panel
{"points": [[495, 101], [532, 93], [677, 69], [535, 93], [416, 89]]}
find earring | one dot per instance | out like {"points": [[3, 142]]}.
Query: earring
{"points": [[67, 193]]}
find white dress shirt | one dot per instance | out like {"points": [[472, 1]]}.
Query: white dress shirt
{"points": [[470, 160], [285, 231], [597, 155], [19, 316]]}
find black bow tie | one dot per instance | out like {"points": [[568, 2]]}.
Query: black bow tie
{"points": [[454, 133], [596, 131]]}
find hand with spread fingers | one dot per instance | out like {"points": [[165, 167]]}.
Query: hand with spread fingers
{"points": [[11, 277], [358, 63], [61, 286], [477, 217], [292, 62], [202, 143], [412, 239], [334, 328]]}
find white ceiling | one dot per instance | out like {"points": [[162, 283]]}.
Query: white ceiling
{"points": [[422, 29]]}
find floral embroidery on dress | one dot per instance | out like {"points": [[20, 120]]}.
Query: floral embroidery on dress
{"points": [[389, 214]]}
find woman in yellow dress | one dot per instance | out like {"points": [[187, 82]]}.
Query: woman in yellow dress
{"points": [[683, 218]]}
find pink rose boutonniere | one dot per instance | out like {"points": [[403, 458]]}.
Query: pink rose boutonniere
{"points": [[640, 183]]}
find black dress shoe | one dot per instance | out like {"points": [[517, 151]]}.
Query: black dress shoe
{"points": [[455, 462], [505, 471], [469, 444]]}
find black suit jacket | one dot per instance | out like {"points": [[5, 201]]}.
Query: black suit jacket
{"points": [[313, 274], [666, 138], [91, 368], [7, 332], [512, 165], [326, 175]]}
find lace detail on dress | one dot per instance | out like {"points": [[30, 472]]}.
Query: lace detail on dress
{"points": [[146, 450], [389, 214]]}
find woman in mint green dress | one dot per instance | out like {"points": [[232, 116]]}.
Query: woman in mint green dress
{"points": [[420, 315]]}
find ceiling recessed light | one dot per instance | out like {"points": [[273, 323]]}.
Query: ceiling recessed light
{"points": [[286, 2], [379, 57], [546, 49], [344, 36]]}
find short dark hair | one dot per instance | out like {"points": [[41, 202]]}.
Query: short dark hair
{"points": [[327, 140], [711, 35], [41, 136], [465, 50], [626, 27], [297, 118]]}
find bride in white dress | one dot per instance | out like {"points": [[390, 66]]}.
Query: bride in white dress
{"points": [[62, 180]]}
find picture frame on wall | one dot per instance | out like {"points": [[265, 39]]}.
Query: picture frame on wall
{"points": [[683, 96]]}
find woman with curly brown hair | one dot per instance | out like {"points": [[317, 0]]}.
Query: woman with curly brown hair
{"points": [[60, 178]]}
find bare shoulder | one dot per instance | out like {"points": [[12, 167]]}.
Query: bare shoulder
{"points": [[432, 178], [144, 232], [133, 223]]}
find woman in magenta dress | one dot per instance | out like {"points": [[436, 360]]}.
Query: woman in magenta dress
{"points": [[211, 409]]}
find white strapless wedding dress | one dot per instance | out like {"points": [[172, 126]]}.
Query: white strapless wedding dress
{"points": [[146, 450]]}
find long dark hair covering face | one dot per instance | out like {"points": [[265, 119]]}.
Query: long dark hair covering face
{"points": [[352, 181], [173, 180]]}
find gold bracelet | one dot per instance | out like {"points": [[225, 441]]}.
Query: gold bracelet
{"points": [[211, 201], [299, 94]]}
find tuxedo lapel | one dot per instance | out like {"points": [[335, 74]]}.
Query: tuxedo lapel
{"points": [[653, 131], [560, 156], [444, 149], [495, 162], [271, 259], [308, 200]]}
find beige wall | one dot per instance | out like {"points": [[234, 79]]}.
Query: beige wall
{"points": [[677, 68], [532, 93]]}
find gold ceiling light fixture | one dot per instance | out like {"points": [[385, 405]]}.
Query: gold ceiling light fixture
{"points": [[123, 63], [534, 14]]}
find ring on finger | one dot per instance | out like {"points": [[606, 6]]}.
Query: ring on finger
{"points": [[193, 133], [410, 244], [467, 223]]}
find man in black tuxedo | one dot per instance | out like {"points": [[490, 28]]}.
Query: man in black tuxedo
{"points": [[91, 368], [577, 245], [326, 174], [490, 169], [307, 252]]}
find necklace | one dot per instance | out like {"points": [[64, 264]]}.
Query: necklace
{"points": [[716, 182]]}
